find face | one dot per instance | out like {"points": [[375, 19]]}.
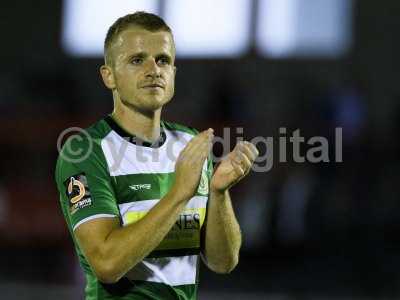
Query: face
{"points": [[143, 70]]}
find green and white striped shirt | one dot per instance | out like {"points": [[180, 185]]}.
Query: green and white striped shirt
{"points": [[108, 173]]}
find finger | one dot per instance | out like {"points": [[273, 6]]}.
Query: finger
{"points": [[199, 154], [190, 148], [244, 161], [206, 135], [207, 149], [248, 152], [201, 143], [238, 168], [252, 148]]}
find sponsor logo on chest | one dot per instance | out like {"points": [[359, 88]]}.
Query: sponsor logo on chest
{"points": [[140, 187]]}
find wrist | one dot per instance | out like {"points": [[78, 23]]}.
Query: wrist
{"points": [[179, 194], [218, 192]]}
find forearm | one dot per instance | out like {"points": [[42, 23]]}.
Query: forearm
{"points": [[127, 246], [222, 237]]}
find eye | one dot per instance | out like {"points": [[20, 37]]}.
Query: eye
{"points": [[136, 60], [163, 61]]}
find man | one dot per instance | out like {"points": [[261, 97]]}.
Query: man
{"points": [[136, 212]]}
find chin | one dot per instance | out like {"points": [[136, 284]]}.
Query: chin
{"points": [[146, 104], [154, 104]]}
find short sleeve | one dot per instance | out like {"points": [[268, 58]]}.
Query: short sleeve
{"points": [[84, 184]]}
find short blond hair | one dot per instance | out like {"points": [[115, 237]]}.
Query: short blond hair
{"points": [[142, 19]]}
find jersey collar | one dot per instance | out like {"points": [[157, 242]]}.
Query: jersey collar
{"points": [[134, 139]]}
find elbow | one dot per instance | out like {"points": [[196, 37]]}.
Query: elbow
{"points": [[107, 268], [225, 267], [107, 273], [107, 278]]}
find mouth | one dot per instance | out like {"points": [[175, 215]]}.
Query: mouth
{"points": [[153, 86]]}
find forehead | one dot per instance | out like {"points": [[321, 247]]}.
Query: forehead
{"points": [[135, 40]]}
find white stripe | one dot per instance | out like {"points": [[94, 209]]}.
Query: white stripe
{"points": [[197, 202], [169, 270], [124, 158], [146, 205], [92, 218]]}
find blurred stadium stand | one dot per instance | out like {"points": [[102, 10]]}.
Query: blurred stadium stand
{"points": [[311, 231]]}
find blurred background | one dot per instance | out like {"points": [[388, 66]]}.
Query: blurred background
{"points": [[311, 230]]}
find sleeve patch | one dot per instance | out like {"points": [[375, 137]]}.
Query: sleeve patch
{"points": [[78, 192]]}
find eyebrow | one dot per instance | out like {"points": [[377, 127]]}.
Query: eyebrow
{"points": [[144, 54], [164, 55], [138, 54]]}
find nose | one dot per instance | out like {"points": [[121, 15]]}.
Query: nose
{"points": [[152, 69]]}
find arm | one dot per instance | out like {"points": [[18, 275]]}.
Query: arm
{"points": [[113, 250], [222, 233]]}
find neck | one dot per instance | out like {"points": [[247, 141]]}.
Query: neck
{"points": [[145, 126]]}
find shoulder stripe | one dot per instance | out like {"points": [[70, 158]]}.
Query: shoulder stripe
{"points": [[92, 218]]}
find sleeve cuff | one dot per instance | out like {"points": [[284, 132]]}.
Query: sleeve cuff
{"points": [[92, 218]]}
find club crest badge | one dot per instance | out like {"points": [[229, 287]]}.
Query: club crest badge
{"points": [[203, 185]]}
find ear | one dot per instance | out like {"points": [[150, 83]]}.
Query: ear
{"points": [[175, 70], [108, 76]]}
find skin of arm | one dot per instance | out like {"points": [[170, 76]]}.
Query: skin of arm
{"points": [[222, 232], [112, 250]]}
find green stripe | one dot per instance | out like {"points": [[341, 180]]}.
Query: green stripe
{"points": [[126, 289], [134, 187], [186, 291]]}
